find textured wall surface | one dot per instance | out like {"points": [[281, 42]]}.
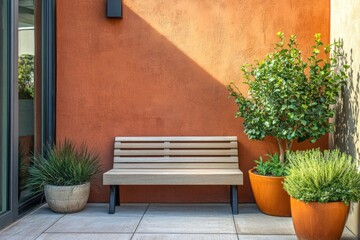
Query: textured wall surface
{"points": [[345, 26], [163, 70]]}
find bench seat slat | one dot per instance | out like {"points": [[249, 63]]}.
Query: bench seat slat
{"points": [[173, 177], [161, 139], [168, 152], [173, 165]]}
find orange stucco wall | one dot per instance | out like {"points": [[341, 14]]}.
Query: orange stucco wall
{"points": [[162, 70]]}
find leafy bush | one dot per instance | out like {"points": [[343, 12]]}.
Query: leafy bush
{"points": [[26, 76], [328, 176], [290, 98], [63, 165], [271, 167]]}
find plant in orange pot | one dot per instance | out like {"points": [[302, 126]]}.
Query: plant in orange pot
{"points": [[321, 186], [289, 99]]}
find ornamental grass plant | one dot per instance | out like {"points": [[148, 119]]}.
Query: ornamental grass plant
{"points": [[328, 176], [63, 165]]}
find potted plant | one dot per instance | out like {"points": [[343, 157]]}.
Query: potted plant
{"points": [[289, 99], [64, 172], [321, 186]]}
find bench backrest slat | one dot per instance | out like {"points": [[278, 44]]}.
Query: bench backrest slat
{"points": [[175, 145], [177, 165], [175, 152], [182, 139], [185, 159]]}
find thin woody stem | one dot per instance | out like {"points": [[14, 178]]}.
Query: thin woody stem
{"points": [[281, 149]]}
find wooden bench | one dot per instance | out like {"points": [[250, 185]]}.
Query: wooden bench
{"points": [[174, 161]]}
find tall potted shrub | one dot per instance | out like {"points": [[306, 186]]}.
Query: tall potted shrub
{"points": [[321, 186], [289, 99]]}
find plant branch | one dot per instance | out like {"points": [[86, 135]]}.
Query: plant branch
{"points": [[281, 151]]}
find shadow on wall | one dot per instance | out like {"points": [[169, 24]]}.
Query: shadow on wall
{"points": [[347, 134], [133, 81], [137, 83]]}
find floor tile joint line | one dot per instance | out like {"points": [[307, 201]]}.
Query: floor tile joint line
{"points": [[236, 231], [63, 215], [140, 221]]}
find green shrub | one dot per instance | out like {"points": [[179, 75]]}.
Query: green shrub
{"points": [[26, 76], [271, 167], [328, 176], [63, 165], [290, 98]]}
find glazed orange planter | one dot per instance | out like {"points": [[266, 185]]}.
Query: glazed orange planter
{"points": [[269, 194], [318, 221]]}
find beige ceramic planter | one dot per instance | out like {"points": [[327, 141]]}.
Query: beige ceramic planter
{"points": [[67, 199]]}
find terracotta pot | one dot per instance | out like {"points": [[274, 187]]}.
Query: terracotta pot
{"points": [[269, 194], [318, 221], [67, 199]]}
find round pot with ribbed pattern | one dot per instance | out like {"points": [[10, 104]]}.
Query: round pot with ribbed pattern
{"points": [[67, 199]]}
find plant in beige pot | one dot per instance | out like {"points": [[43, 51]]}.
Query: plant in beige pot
{"points": [[288, 99], [64, 172], [321, 186]]}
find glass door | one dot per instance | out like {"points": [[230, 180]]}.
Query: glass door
{"points": [[26, 94], [36, 84], [6, 74], [3, 109]]}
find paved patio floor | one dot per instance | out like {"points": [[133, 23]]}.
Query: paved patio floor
{"points": [[154, 222]]}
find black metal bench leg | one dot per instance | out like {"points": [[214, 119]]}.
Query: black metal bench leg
{"points": [[234, 199], [114, 198]]}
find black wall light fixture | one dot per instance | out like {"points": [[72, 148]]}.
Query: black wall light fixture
{"points": [[114, 8]]}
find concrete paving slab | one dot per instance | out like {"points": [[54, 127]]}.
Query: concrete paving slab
{"points": [[102, 210], [184, 237], [248, 208], [260, 224], [283, 237], [95, 224], [43, 210], [348, 235], [177, 224], [84, 236], [267, 237], [30, 226], [160, 222], [188, 210]]}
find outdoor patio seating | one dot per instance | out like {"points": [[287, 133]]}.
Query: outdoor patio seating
{"points": [[174, 161]]}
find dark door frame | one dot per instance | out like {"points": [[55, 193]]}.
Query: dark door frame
{"points": [[48, 75], [12, 112], [48, 70]]}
